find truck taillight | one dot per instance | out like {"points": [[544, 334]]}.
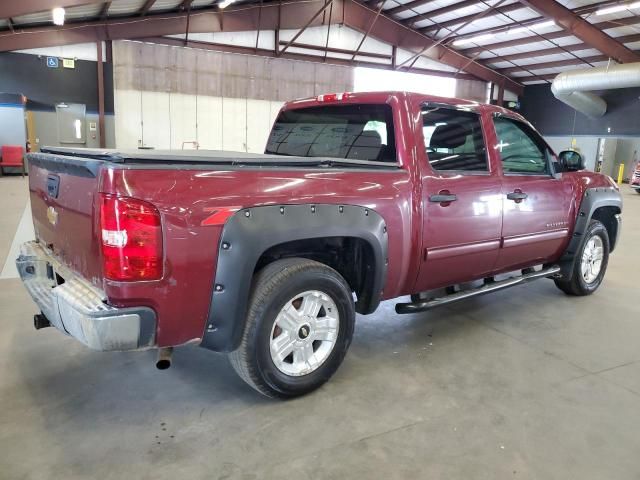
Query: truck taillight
{"points": [[131, 239]]}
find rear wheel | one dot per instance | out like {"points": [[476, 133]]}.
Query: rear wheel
{"points": [[590, 263], [299, 326]]}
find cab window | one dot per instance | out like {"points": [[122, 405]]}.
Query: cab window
{"points": [[521, 149], [453, 140]]}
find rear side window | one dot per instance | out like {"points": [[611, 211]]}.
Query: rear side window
{"points": [[520, 148], [356, 132], [453, 140]]}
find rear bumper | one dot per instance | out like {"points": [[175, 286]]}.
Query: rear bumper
{"points": [[77, 308]]}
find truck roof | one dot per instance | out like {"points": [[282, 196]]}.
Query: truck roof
{"points": [[385, 96]]}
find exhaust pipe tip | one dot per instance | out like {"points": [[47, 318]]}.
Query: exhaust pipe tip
{"points": [[40, 321], [164, 358]]}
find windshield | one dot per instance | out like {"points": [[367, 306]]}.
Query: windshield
{"points": [[356, 132]]}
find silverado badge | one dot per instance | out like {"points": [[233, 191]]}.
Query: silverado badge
{"points": [[52, 215]]}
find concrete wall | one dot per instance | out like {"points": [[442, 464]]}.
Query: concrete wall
{"points": [[165, 96]]}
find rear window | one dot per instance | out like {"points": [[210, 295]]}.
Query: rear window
{"points": [[356, 132]]}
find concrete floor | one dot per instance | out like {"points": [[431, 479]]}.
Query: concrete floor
{"points": [[527, 383]]}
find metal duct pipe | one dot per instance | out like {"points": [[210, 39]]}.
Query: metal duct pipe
{"points": [[573, 87]]}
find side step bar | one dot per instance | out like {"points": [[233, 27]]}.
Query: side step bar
{"points": [[486, 288]]}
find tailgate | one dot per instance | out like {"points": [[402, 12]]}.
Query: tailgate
{"points": [[63, 194]]}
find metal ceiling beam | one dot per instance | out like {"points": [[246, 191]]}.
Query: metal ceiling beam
{"points": [[326, 5], [360, 16], [342, 51], [319, 58], [584, 10], [9, 8], [437, 12], [238, 19], [145, 7], [555, 50], [554, 64], [550, 36], [105, 10], [407, 6], [457, 21], [582, 29]]}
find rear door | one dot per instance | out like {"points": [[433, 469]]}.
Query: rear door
{"points": [[536, 203], [462, 207]]}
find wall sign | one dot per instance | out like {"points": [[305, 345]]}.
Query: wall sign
{"points": [[52, 62], [68, 63]]}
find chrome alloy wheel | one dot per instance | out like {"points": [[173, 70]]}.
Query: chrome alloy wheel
{"points": [[304, 333], [591, 262]]}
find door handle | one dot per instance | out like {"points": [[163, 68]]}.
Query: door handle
{"points": [[518, 196], [443, 198]]}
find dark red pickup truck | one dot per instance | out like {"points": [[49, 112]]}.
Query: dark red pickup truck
{"points": [[359, 198]]}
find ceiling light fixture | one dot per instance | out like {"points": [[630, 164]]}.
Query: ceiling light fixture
{"points": [[58, 15], [618, 8]]}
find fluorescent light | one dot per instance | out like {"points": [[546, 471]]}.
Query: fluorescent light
{"points": [[226, 3], [618, 8], [479, 38], [58, 15], [535, 26]]}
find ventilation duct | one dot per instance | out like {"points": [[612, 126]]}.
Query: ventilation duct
{"points": [[573, 87]]}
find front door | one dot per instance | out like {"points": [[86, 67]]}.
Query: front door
{"points": [[462, 207], [536, 203]]}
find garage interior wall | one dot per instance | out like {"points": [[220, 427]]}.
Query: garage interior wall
{"points": [[27, 74], [169, 97]]}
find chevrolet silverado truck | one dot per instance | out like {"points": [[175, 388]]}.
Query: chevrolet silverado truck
{"points": [[358, 198]]}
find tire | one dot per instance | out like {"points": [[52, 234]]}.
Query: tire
{"points": [[291, 283], [581, 283]]}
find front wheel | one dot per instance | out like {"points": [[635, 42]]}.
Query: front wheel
{"points": [[590, 263], [299, 326]]}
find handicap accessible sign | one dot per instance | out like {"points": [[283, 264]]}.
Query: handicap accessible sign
{"points": [[52, 62]]}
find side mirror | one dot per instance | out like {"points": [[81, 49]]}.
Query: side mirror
{"points": [[571, 161]]}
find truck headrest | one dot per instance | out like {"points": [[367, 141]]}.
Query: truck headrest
{"points": [[449, 136]]}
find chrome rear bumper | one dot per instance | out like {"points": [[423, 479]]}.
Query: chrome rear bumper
{"points": [[77, 308]]}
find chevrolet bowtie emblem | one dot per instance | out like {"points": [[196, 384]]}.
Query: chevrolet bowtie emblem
{"points": [[52, 215]]}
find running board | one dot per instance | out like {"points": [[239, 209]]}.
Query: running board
{"points": [[486, 288]]}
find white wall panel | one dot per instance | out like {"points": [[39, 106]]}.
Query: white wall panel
{"points": [[156, 120], [128, 125], [209, 122], [258, 125], [183, 120], [234, 126]]}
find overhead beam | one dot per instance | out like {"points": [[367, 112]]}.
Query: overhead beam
{"points": [[459, 20], [555, 64], [407, 6], [585, 31], [555, 50], [548, 36], [145, 7], [9, 8], [360, 16], [318, 58], [584, 10], [236, 19]]}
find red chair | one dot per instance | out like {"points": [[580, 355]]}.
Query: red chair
{"points": [[12, 156]]}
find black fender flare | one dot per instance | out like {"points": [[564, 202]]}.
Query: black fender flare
{"points": [[592, 200], [252, 231]]}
